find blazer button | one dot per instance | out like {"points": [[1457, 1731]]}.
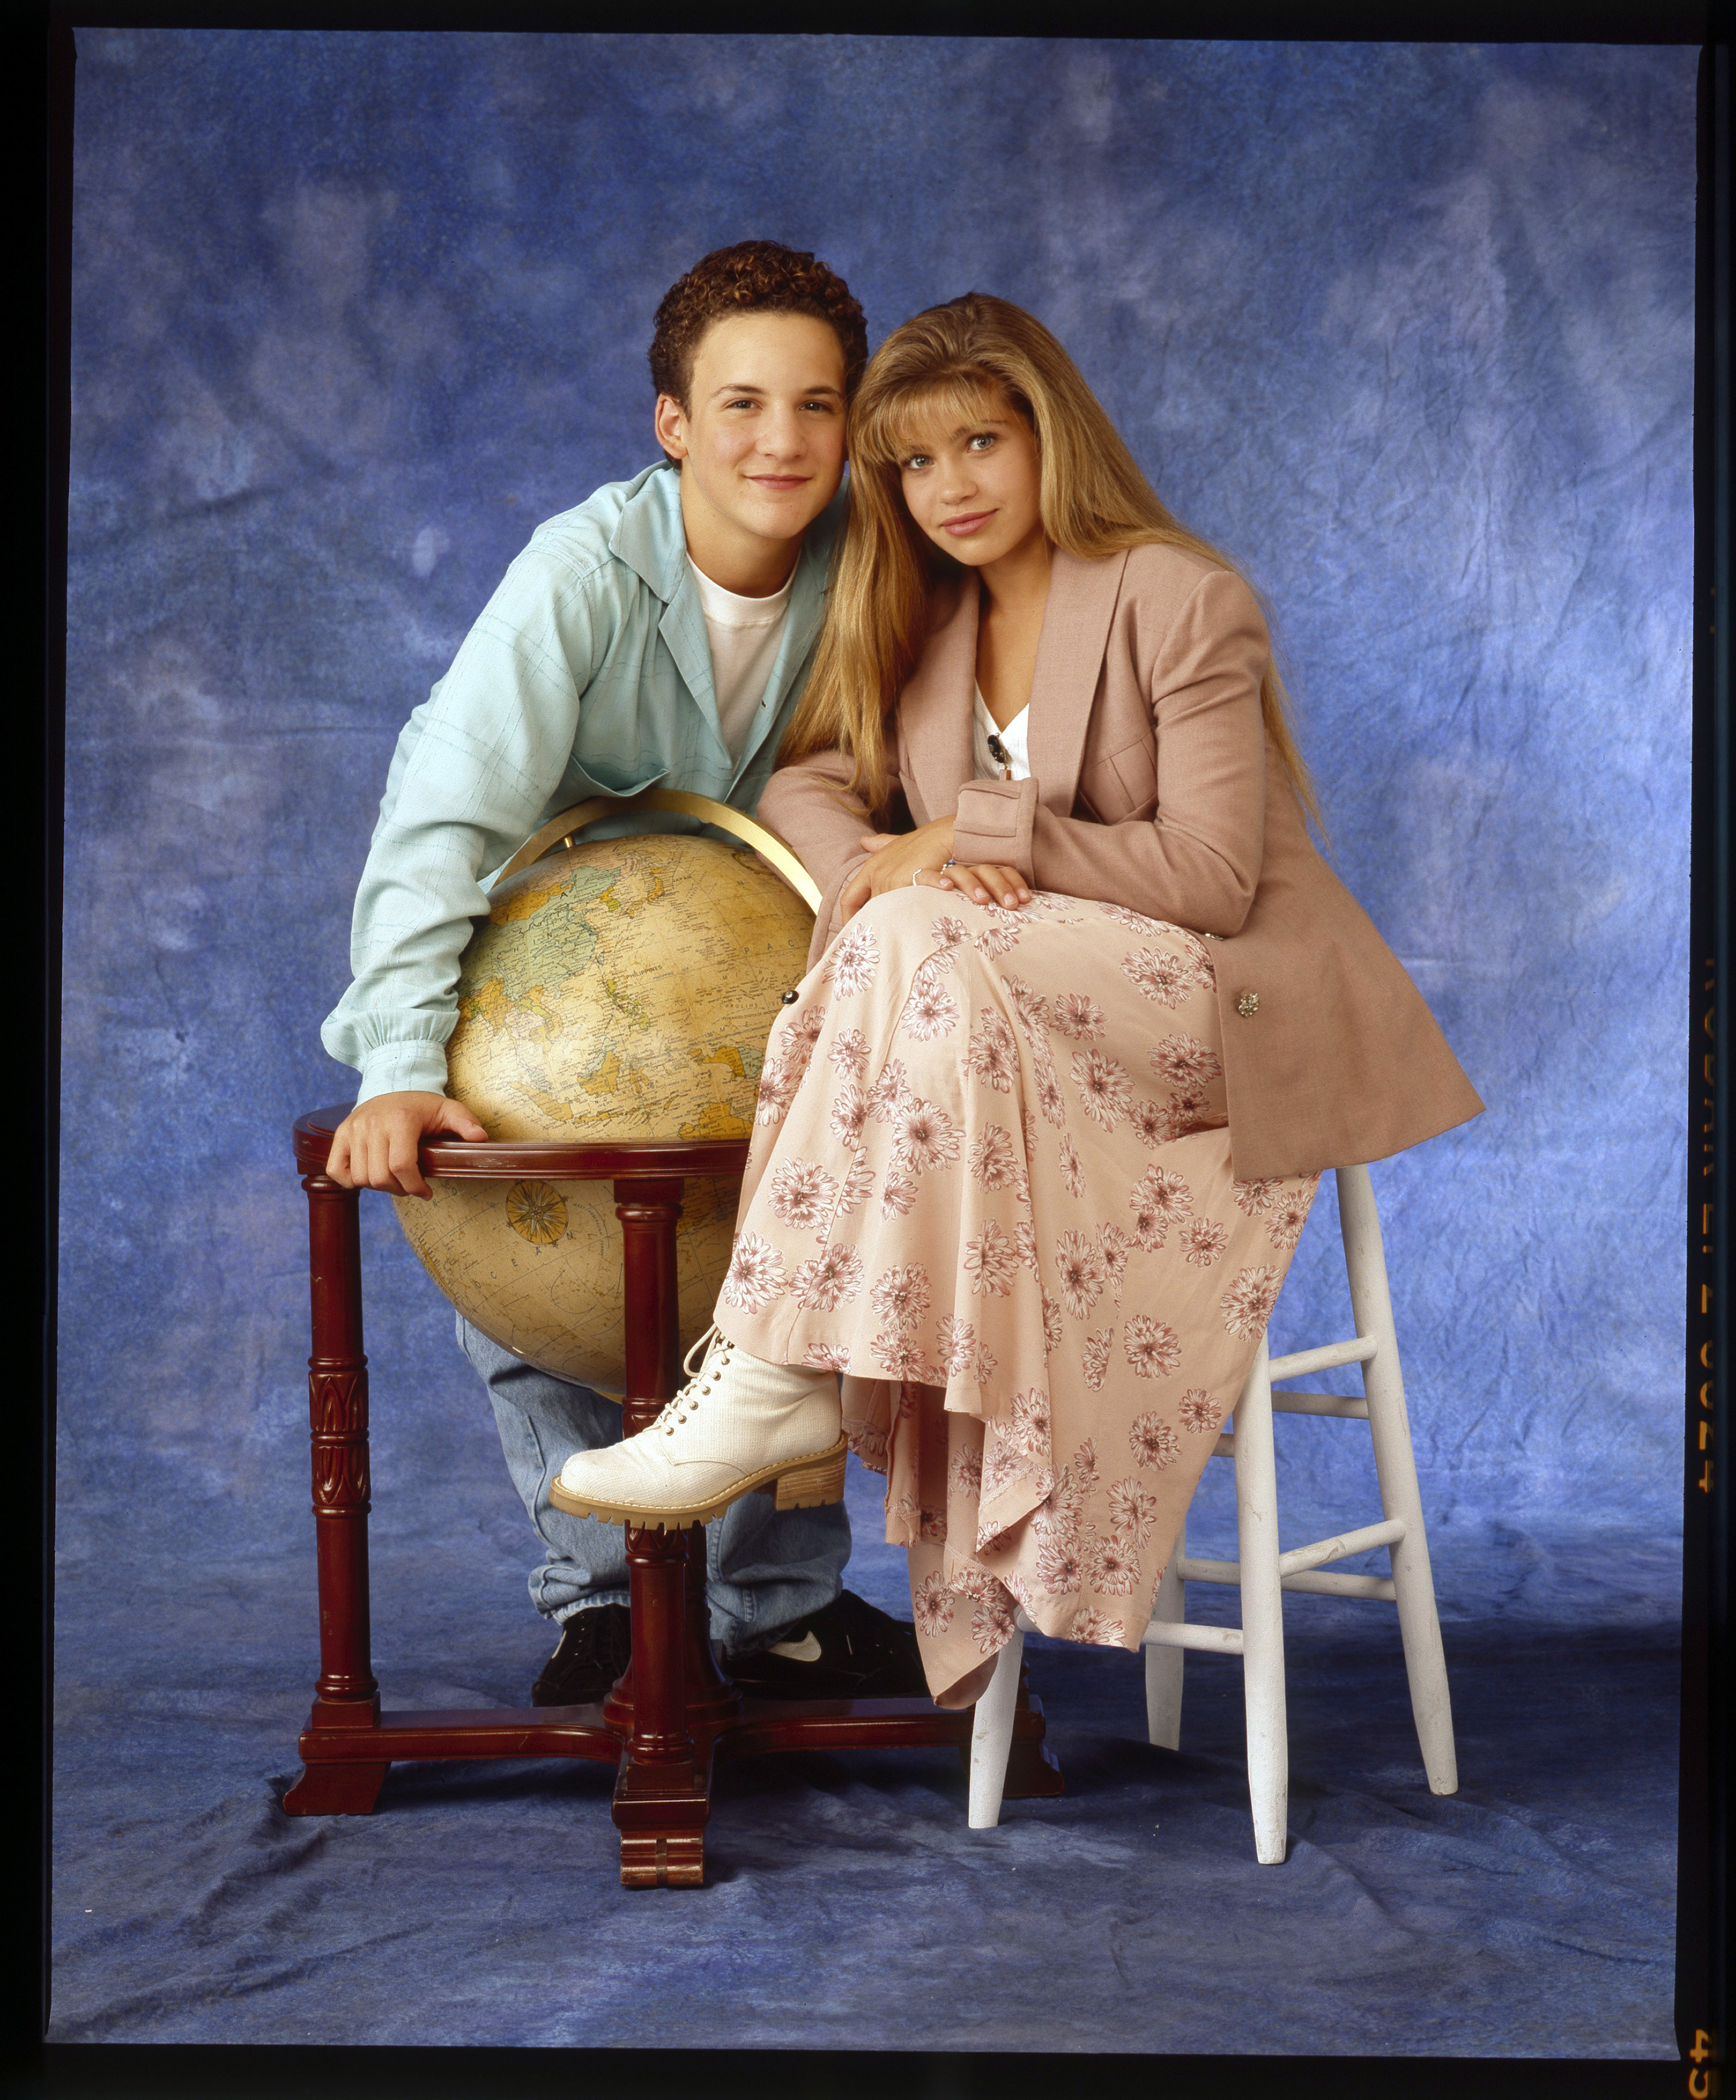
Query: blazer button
{"points": [[1249, 1004]]}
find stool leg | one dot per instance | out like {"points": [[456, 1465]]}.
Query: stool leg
{"points": [[1395, 1463], [1164, 1664], [1262, 1614], [991, 1735]]}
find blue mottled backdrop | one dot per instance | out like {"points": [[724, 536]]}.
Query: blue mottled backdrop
{"points": [[1406, 328]]}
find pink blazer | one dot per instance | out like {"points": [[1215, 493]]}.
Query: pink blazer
{"points": [[1153, 786]]}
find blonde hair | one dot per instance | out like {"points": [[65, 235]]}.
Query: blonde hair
{"points": [[1094, 501]]}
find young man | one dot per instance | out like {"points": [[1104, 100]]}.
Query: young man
{"points": [[659, 634]]}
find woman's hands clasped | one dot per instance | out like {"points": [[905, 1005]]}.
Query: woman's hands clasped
{"points": [[896, 859]]}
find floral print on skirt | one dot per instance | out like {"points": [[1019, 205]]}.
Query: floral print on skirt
{"points": [[991, 1184]]}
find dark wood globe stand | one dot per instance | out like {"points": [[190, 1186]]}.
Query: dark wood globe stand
{"points": [[674, 1712]]}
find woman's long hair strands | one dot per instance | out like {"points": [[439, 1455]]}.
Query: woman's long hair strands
{"points": [[960, 361]]}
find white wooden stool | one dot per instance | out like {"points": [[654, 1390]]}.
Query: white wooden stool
{"points": [[1263, 1574]]}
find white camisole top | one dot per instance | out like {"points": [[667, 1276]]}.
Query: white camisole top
{"points": [[1012, 740]]}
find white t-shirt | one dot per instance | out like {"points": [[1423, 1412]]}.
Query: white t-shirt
{"points": [[1011, 739], [744, 634]]}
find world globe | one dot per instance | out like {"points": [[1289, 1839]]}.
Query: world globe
{"points": [[619, 989]]}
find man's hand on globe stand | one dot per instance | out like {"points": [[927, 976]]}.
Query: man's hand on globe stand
{"points": [[375, 1145]]}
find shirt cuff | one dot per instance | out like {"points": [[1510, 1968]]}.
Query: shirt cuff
{"points": [[993, 824], [400, 1068]]}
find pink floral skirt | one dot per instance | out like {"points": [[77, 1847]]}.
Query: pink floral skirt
{"points": [[990, 1184]]}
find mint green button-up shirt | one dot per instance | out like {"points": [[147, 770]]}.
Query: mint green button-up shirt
{"points": [[589, 672]]}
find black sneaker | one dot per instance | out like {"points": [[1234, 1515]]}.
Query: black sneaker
{"points": [[848, 1651], [594, 1648]]}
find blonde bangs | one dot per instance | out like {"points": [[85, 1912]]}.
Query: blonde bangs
{"points": [[892, 427]]}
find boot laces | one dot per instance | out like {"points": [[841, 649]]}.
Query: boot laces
{"points": [[713, 1348]]}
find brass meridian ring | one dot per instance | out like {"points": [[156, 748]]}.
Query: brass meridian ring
{"points": [[559, 831]]}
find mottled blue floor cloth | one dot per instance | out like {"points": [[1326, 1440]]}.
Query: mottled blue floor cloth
{"points": [[1530, 1915]]}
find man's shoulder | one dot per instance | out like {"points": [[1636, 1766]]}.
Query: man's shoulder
{"points": [[580, 543]]}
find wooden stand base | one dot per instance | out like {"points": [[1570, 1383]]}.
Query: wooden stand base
{"points": [[674, 1714], [661, 1808]]}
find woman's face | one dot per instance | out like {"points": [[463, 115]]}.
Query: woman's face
{"points": [[974, 487]]}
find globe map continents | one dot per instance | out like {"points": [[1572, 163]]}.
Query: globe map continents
{"points": [[619, 989]]}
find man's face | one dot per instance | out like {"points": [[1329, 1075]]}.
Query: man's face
{"points": [[762, 440]]}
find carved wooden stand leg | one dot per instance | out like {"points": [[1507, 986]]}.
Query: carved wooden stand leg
{"points": [[346, 1696], [672, 1710], [663, 1788]]}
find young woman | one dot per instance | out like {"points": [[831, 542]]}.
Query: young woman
{"points": [[1086, 1016]]}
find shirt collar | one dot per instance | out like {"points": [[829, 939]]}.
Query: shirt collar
{"points": [[648, 536]]}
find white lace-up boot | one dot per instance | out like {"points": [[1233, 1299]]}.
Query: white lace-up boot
{"points": [[741, 1423]]}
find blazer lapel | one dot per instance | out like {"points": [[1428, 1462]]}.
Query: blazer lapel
{"points": [[1082, 598], [934, 711]]}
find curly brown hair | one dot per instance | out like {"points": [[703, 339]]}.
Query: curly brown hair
{"points": [[753, 277]]}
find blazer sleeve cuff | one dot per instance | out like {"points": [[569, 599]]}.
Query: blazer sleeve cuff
{"points": [[994, 823]]}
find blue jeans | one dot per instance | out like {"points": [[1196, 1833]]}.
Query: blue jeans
{"points": [[767, 1569]]}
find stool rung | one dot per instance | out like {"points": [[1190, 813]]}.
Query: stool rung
{"points": [[1336, 1403], [1305, 1362], [1302, 1559], [1320, 1403], [1324, 1585], [1177, 1633], [1228, 1573]]}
